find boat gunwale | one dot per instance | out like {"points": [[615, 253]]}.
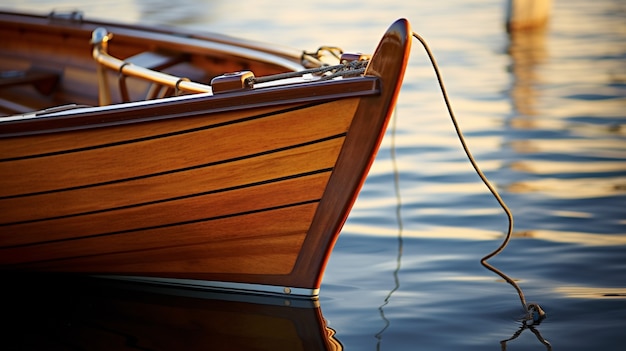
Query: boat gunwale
{"points": [[186, 106]]}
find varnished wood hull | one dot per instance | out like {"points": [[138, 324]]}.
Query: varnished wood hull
{"points": [[246, 188]]}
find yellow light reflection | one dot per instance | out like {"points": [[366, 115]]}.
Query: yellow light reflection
{"points": [[562, 188], [431, 232], [551, 167], [583, 292], [585, 239], [571, 214], [458, 233], [609, 148]]}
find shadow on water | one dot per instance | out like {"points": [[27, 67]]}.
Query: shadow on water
{"points": [[59, 312]]}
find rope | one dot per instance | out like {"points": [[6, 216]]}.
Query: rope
{"points": [[467, 151], [353, 68], [484, 179], [348, 69]]}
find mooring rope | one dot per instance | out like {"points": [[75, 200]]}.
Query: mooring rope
{"points": [[534, 313], [480, 173], [348, 69]]}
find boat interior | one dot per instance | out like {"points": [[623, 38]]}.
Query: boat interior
{"points": [[61, 61]]}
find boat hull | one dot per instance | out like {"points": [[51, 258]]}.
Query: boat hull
{"points": [[205, 198], [247, 188]]}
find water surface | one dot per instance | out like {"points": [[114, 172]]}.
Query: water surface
{"points": [[544, 114]]}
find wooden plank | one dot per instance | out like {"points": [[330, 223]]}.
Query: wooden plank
{"points": [[309, 158], [149, 157], [259, 243], [173, 213], [29, 146]]}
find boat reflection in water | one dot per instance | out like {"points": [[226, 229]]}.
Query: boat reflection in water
{"points": [[61, 312]]}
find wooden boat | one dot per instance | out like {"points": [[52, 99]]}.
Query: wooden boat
{"points": [[85, 313], [134, 156]]}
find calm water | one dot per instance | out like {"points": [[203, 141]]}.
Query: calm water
{"points": [[545, 116]]}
